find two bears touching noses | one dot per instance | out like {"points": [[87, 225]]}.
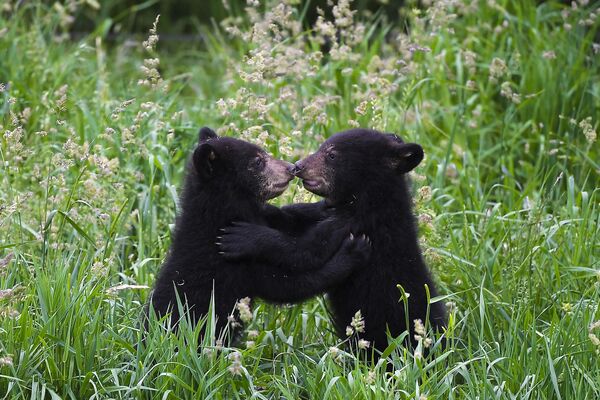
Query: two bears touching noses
{"points": [[357, 244]]}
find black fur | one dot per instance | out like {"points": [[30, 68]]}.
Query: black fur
{"points": [[229, 179], [361, 174]]}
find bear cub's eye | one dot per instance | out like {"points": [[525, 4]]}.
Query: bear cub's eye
{"points": [[258, 162], [331, 155]]}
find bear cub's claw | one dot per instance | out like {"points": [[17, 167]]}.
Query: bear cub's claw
{"points": [[237, 240], [358, 246]]}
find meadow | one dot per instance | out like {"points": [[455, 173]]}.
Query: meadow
{"points": [[504, 96]]}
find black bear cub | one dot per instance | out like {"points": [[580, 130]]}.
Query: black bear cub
{"points": [[361, 175], [231, 180]]}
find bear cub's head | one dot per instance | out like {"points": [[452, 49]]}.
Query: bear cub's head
{"points": [[240, 166], [355, 161]]}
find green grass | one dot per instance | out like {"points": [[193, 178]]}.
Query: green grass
{"points": [[90, 163]]}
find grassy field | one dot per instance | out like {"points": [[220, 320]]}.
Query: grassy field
{"points": [[504, 96]]}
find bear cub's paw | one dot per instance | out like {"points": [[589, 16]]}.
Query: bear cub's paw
{"points": [[357, 246], [243, 240]]}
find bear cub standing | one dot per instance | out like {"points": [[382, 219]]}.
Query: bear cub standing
{"points": [[231, 180], [361, 175]]}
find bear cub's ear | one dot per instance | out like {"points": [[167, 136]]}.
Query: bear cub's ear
{"points": [[206, 134], [407, 156], [204, 158]]}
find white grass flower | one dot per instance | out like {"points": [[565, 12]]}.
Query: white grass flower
{"points": [[588, 129], [594, 339], [451, 306], [243, 306], [8, 294], [549, 55], [5, 261], [507, 91], [232, 321], [425, 193], [470, 60], [370, 377], [497, 69], [363, 344], [118, 288], [252, 334], [10, 313], [361, 109], [349, 331], [419, 328], [236, 363], [150, 43], [6, 361], [358, 322]]}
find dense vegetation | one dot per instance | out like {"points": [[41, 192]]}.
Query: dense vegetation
{"points": [[94, 133]]}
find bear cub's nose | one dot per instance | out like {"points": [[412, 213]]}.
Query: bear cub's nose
{"points": [[299, 166], [295, 168]]}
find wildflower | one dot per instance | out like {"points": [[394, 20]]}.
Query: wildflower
{"points": [[419, 329], [363, 344], [425, 193], [506, 91], [451, 306], [347, 71], [370, 378], [117, 288], [358, 322], [549, 55], [349, 331], [243, 306], [61, 95], [236, 363], [361, 109], [336, 354], [343, 14], [497, 69], [470, 60], [471, 85], [425, 219], [588, 129], [567, 308], [232, 321], [4, 261], [252, 334], [153, 37], [7, 294], [451, 171], [10, 313], [6, 361], [99, 269], [594, 339], [250, 344]]}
